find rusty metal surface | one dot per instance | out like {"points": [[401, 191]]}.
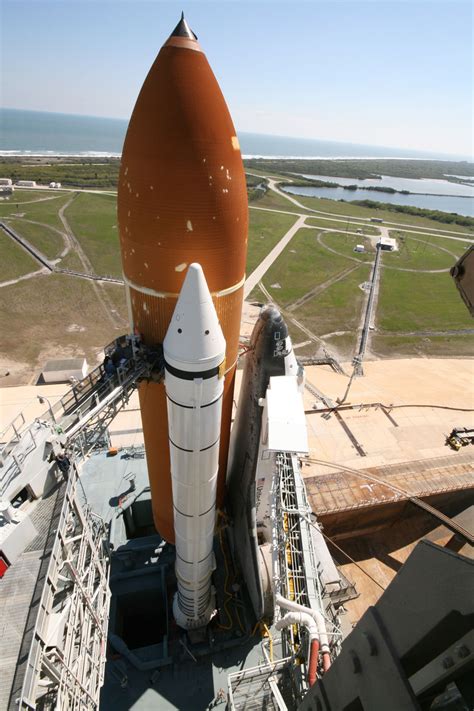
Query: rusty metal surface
{"points": [[342, 491]]}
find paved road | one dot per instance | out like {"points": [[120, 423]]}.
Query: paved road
{"points": [[264, 266], [337, 217]]}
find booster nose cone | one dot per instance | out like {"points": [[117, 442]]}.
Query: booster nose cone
{"points": [[194, 340]]}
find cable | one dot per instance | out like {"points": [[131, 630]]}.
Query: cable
{"points": [[386, 407], [445, 520], [226, 580], [268, 634], [352, 561]]}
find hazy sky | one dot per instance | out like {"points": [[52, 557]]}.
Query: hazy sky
{"points": [[388, 73]]}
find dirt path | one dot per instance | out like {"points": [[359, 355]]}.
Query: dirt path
{"points": [[312, 336], [30, 275], [321, 287], [102, 295]]}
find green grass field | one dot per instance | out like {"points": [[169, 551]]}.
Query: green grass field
{"points": [[61, 315], [44, 310], [424, 254], [419, 302], [15, 261], [265, 230], [272, 201], [300, 267], [47, 240], [93, 219], [346, 208], [344, 244], [353, 213], [424, 346], [34, 208], [338, 307]]}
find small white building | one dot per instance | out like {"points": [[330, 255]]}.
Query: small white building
{"points": [[62, 371], [388, 244], [26, 183], [6, 182], [359, 248]]}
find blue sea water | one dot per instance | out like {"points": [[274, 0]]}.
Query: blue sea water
{"points": [[42, 133]]}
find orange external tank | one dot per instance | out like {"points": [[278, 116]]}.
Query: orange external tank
{"points": [[181, 199]]}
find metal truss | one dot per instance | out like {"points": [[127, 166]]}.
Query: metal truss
{"points": [[65, 668], [297, 567]]}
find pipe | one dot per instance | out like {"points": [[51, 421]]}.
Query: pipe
{"points": [[317, 616], [308, 621], [313, 662]]}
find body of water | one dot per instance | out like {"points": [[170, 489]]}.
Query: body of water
{"points": [[446, 203], [413, 185], [42, 133]]}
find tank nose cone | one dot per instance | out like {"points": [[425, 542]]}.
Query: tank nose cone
{"points": [[194, 335], [182, 29]]}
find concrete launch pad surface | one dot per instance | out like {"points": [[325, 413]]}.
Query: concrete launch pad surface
{"points": [[402, 443], [418, 395]]}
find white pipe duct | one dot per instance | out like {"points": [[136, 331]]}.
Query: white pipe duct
{"points": [[299, 618], [317, 616]]}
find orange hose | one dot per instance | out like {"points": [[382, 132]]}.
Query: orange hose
{"points": [[326, 661], [313, 662]]}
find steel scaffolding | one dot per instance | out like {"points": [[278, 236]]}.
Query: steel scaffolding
{"points": [[296, 568], [65, 667]]}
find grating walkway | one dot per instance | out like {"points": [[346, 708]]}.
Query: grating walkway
{"points": [[342, 491], [20, 590]]}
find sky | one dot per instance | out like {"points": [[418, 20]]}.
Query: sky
{"points": [[396, 74]]}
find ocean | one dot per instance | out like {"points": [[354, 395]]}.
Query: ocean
{"points": [[42, 133]]}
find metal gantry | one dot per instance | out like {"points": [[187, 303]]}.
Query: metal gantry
{"points": [[65, 667], [296, 565]]}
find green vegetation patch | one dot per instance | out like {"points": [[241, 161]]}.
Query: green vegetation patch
{"points": [[14, 262], [343, 344], [272, 201], [44, 211], [300, 267], [47, 240], [410, 301], [70, 172], [265, 230], [93, 219], [360, 168], [20, 196], [382, 211], [346, 225], [421, 253], [337, 308], [53, 312], [435, 346], [345, 244]]}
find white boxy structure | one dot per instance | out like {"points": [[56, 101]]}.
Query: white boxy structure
{"points": [[194, 351], [63, 371]]}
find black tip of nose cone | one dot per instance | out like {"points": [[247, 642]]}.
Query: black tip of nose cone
{"points": [[182, 29]]}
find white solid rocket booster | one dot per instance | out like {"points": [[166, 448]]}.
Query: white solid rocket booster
{"points": [[194, 352]]}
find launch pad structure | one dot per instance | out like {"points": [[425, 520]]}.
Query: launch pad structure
{"points": [[191, 572], [93, 557]]}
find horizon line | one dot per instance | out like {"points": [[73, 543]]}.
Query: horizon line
{"points": [[449, 156]]}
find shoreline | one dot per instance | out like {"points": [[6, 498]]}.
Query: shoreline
{"points": [[246, 156]]}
